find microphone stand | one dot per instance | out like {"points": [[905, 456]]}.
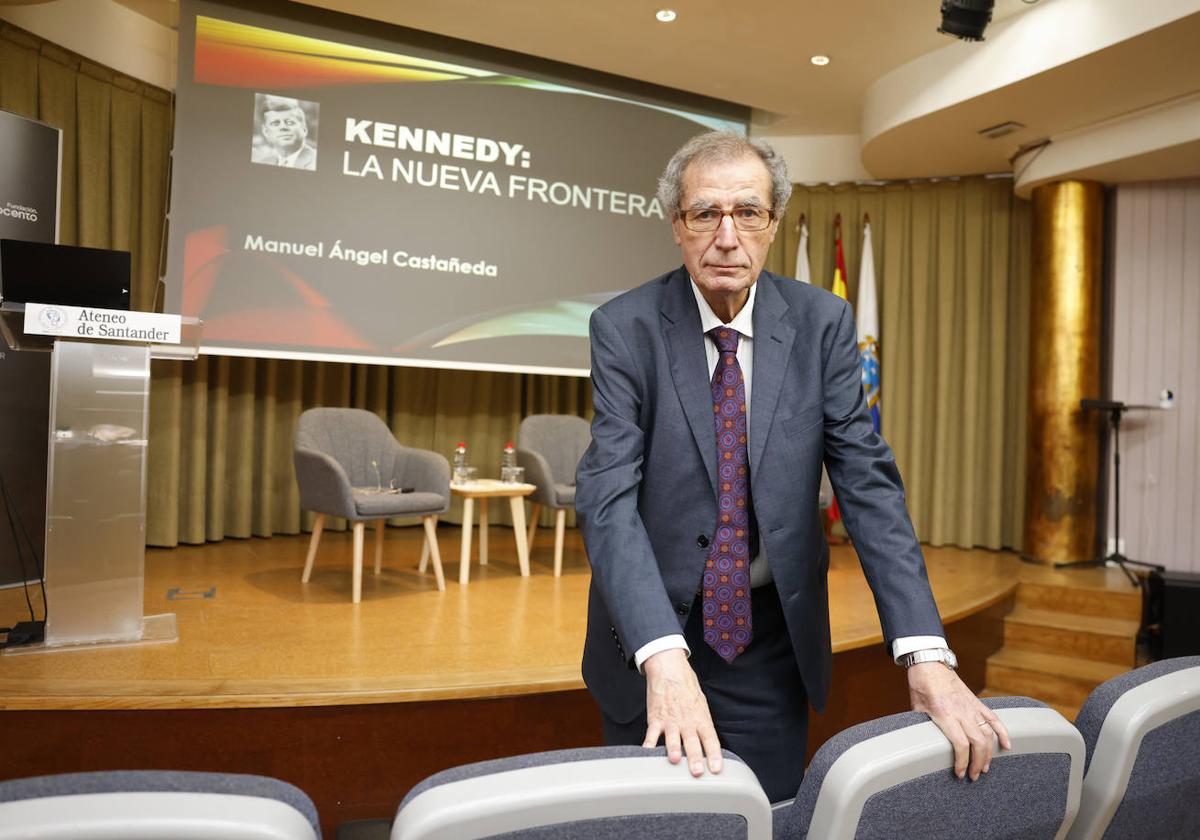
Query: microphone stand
{"points": [[1115, 410]]}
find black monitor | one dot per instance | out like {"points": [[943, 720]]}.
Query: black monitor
{"points": [[36, 272]]}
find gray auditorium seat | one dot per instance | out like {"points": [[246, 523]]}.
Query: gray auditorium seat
{"points": [[155, 804], [599, 793], [549, 447], [347, 462], [893, 777], [1142, 732]]}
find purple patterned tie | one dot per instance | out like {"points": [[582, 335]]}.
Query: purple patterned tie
{"points": [[726, 582]]}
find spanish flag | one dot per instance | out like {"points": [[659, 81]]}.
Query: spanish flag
{"points": [[839, 289], [839, 271]]}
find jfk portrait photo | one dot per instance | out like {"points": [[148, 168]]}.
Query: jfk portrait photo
{"points": [[285, 132]]}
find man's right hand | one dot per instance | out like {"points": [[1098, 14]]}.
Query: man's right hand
{"points": [[677, 711]]}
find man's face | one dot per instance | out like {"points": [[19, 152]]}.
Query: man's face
{"points": [[725, 262], [284, 129]]}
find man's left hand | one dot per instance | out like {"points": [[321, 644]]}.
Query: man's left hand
{"points": [[965, 721]]}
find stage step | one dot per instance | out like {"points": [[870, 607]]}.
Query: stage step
{"points": [[1081, 600], [1051, 678], [1098, 638]]}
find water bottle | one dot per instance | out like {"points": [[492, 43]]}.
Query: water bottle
{"points": [[509, 472], [460, 462]]}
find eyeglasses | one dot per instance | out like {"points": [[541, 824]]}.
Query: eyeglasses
{"points": [[746, 218]]}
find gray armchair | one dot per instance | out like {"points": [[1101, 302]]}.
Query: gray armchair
{"points": [[549, 447], [347, 460], [1142, 732], [891, 777], [601, 793], [156, 803]]}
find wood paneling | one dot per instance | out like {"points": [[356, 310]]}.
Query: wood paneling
{"points": [[1156, 345]]}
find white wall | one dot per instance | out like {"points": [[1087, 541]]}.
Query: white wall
{"points": [[1156, 345], [818, 158]]}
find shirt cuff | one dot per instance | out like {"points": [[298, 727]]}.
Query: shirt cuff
{"points": [[658, 646], [910, 644]]}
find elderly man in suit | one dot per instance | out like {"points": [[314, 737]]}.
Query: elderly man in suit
{"points": [[719, 390]]}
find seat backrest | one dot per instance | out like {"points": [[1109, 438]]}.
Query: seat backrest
{"points": [[893, 777], [354, 438], [1142, 732], [560, 438], [153, 804], [598, 793]]}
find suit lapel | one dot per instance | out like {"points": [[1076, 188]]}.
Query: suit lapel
{"points": [[773, 339], [689, 366]]}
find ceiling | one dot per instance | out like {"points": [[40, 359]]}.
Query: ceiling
{"points": [[754, 54], [757, 54], [1155, 67]]}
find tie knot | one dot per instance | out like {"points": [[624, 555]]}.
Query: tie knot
{"points": [[725, 338]]}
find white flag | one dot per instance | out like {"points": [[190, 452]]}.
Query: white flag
{"points": [[867, 321], [802, 272]]}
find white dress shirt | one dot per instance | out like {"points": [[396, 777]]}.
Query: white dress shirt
{"points": [[760, 572]]}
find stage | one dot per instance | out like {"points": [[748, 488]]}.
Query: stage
{"points": [[356, 703]]}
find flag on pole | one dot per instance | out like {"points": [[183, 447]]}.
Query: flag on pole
{"points": [[839, 289], [803, 274], [867, 321], [839, 270]]}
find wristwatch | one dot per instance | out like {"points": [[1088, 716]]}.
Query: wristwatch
{"points": [[943, 655]]}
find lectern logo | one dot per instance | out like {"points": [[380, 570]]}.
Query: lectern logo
{"points": [[19, 211], [53, 319]]}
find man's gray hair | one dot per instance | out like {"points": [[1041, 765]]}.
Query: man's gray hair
{"points": [[721, 147]]}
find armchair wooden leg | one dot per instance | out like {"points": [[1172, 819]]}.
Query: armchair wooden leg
{"points": [[314, 541], [535, 510], [359, 529], [425, 549], [380, 524], [431, 544], [560, 523]]}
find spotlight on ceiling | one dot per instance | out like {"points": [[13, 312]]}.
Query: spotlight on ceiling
{"points": [[820, 60], [966, 19], [665, 15]]}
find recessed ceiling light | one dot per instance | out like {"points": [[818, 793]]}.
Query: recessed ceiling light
{"points": [[665, 15], [820, 60]]}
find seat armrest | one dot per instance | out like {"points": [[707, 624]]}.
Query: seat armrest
{"points": [[424, 471], [324, 485], [537, 472]]}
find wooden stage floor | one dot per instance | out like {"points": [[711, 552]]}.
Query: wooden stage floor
{"points": [[264, 639]]}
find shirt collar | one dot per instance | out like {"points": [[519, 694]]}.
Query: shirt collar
{"points": [[743, 322]]}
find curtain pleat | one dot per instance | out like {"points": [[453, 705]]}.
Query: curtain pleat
{"points": [[952, 275], [951, 265]]}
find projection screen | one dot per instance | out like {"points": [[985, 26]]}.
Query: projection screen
{"points": [[357, 192]]}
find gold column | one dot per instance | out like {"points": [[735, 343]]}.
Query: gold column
{"points": [[1064, 367]]}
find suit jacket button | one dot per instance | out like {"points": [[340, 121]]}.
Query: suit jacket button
{"points": [[702, 541], [682, 608]]}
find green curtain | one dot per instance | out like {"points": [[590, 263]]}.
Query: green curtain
{"points": [[116, 147], [952, 266], [952, 272]]}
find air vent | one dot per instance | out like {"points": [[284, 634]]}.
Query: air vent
{"points": [[994, 132]]}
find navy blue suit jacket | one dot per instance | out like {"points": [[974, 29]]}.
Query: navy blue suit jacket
{"points": [[646, 488]]}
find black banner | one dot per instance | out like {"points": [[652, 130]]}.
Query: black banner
{"points": [[29, 171]]}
